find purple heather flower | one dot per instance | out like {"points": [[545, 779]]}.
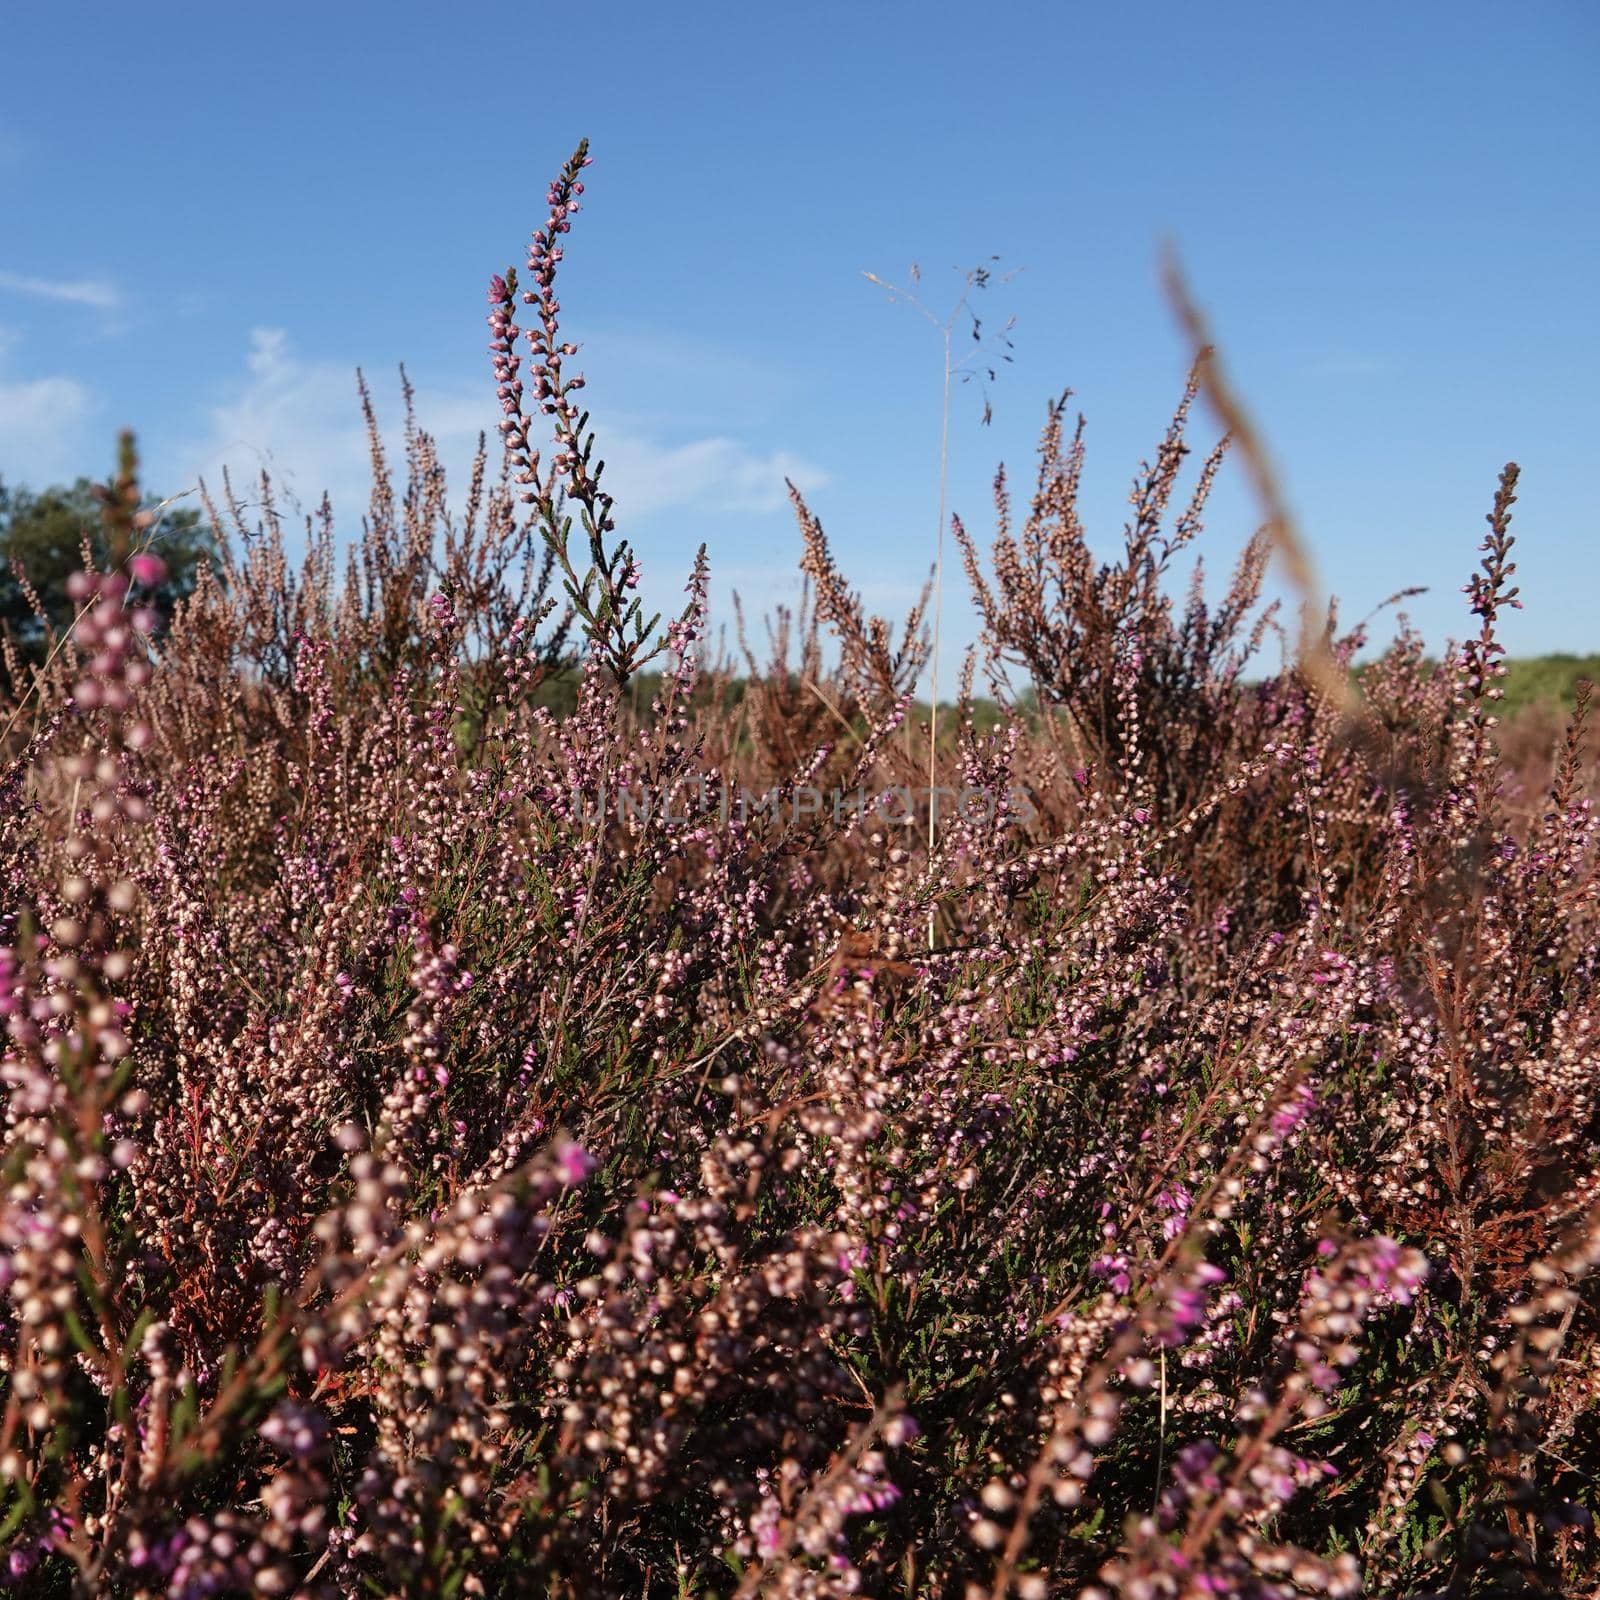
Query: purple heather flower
{"points": [[574, 1164]]}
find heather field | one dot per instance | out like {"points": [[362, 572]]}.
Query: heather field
{"points": [[506, 1096]]}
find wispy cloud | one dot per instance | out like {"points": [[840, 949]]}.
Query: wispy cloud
{"points": [[714, 475], [93, 292], [1340, 364], [298, 418]]}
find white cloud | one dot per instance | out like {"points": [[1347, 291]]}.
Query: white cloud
{"points": [[715, 475], [300, 419], [93, 292], [42, 425]]}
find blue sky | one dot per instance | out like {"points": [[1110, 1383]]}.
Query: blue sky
{"points": [[1390, 212]]}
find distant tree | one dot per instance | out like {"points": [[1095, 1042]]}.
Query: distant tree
{"points": [[41, 541]]}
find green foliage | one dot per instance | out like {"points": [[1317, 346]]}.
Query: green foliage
{"points": [[1547, 680], [42, 538]]}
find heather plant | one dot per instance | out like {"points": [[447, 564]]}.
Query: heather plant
{"points": [[452, 1149]]}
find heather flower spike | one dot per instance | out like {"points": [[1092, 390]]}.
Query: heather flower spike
{"points": [[568, 487]]}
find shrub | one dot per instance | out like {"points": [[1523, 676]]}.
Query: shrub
{"points": [[458, 1141]]}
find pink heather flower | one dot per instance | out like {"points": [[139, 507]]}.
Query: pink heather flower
{"points": [[878, 1498], [148, 568], [1293, 1111], [574, 1163], [1175, 1200], [1115, 1270]]}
